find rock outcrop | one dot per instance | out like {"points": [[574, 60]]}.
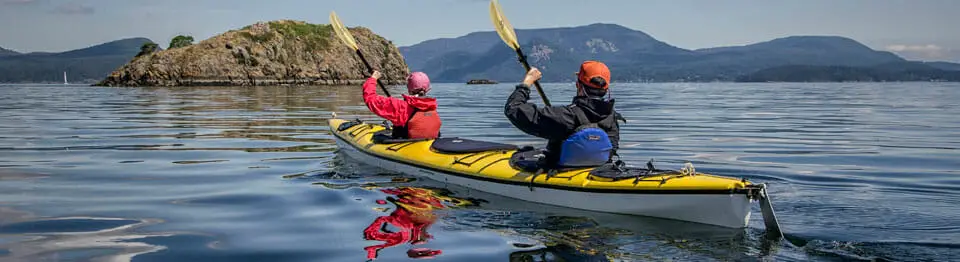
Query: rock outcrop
{"points": [[481, 82], [267, 53]]}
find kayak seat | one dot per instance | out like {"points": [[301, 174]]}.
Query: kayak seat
{"points": [[456, 145], [386, 137]]}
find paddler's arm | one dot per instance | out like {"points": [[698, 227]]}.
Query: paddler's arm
{"points": [[388, 108], [547, 122]]}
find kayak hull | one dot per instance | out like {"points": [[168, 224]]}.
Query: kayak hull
{"points": [[730, 210]]}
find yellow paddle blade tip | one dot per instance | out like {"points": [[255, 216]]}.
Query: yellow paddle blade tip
{"points": [[342, 32], [502, 25]]}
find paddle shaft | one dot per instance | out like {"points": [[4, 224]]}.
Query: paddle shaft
{"points": [[370, 68], [523, 60]]}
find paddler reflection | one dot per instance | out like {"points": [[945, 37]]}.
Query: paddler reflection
{"points": [[409, 221]]}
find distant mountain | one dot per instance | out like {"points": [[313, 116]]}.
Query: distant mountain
{"points": [[589, 39], [808, 50], [632, 55], [794, 50], [898, 71], [417, 55], [123, 47], [6, 52], [85, 65], [483, 54], [945, 65]]}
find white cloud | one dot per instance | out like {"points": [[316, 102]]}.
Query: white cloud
{"points": [[914, 48], [925, 52], [73, 9], [17, 2]]}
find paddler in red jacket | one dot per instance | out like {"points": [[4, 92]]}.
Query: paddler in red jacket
{"points": [[415, 116]]}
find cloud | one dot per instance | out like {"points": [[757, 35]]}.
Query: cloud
{"points": [[914, 48], [925, 52], [73, 9], [17, 2]]}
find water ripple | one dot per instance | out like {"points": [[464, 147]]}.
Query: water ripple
{"points": [[857, 172]]}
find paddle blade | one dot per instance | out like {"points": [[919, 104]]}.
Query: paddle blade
{"points": [[504, 29], [342, 32]]}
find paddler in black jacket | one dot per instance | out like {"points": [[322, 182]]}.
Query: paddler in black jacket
{"points": [[558, 123]]}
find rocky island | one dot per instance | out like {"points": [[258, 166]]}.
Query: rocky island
{"points": [[280, 52]]}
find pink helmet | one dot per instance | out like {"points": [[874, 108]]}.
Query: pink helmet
{"points": [[417, 82]]}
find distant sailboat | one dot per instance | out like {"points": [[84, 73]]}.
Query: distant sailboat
{"points": [[65, 78]]}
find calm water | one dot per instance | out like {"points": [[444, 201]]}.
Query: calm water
{"points": [[857, 171]]}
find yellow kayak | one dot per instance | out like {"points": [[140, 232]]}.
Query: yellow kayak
{"points": [[504, 169]]}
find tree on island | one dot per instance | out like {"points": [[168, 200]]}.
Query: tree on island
{"points": [[148, 48], [180, 41]]}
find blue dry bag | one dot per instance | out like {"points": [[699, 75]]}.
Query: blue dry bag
{"points": [[588, 146]]}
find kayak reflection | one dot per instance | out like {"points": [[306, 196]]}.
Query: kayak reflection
{"points": [[410, 219]]}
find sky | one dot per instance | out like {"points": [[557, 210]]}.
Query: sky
{"points": [[915, 29]]}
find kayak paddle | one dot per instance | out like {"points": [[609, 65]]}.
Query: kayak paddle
{"points": [[509, 36], [348, 40]]}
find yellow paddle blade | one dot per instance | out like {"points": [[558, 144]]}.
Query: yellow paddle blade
{"points": [[342, 31], [504, 29]]}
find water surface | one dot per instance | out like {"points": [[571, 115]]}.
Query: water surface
{"points": [[857, 171]]}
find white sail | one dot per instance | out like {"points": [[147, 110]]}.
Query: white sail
{"points": [[65, 77]]}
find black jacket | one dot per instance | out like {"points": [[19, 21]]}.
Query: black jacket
{"points": [[556, 123]]}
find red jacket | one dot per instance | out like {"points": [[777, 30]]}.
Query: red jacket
{"points": [[396, 110]]}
